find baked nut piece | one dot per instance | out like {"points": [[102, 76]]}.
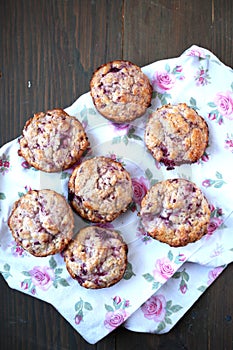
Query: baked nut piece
{"points": [[100, 189], [120, 91], [42, 222], [176, 134], [175, 212], [53, 141], [97, 257]]}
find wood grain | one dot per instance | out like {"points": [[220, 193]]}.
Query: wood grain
{"points": [[49, 50]]}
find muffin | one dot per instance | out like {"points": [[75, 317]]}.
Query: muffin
{"points": [[100, 189], [176, 134], [42, 222], [175, 212], [121, 92], [96, 257], [53, 141]]}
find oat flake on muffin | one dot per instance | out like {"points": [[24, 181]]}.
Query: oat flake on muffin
{"points": [[175, 212], [120, 91], [53, 141], [42, 222]]}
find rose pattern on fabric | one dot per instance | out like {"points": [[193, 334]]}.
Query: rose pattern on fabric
{"points": [[155, 308], [4, 164], [222, 106], [202, 77], [140, 187], [164, 269], [229, 142], [204, 158], [163, 81], [125, 133], [196, 52], [116, 313], [158, 310], [26, 189], [142, 234], [213, 274], [81, 307], [224, 103], [216, 219], [43, 277], [219, 182], [184, 278], [16, 250], [217, 251]]}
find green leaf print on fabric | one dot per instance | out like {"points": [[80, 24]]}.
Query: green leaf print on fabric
{"points": [[81, 307], [218, 183], [184, 278], [2, 197], [128, 133], [6, 271], [129, 272]]}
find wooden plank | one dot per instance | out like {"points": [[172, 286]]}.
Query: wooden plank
{"points": [[160, 29]]}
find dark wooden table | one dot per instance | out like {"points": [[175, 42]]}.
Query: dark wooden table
{"points": [[49, 49]]}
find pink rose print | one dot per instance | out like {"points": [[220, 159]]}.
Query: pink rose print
{"points": [[24, 285], [116, 314], [181, 257], [164, 269], [155, 308], [42, 277], [205, 157], [120, 129], [114, 318], [78, 319], [17, 250], [215, 222], [183, 288], [196, 52], [142, 234], [163, 81], [213, 274], [202, 77], [117, 300], [4, 164], [25, 165], [140, 187], [224, 102], [229, 143]]}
